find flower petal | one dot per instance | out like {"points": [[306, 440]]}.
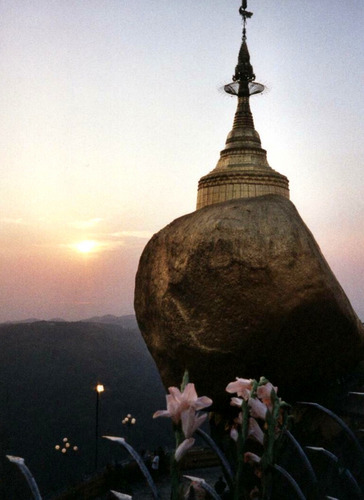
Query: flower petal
{"points": [[202, 402], [239, 418], [257, 408], [236, 402], [242, 387], [187, 419], [264, 393], [161, 413], [175, 392], [183, 448], [254, 431], [234, 434], [195, 479], [199, 420], [189, 394], [191, 421], [174, 408], [121, 496], [251, 458]]}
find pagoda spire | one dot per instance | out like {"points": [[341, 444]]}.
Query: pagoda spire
{"points": [[242, 170]]}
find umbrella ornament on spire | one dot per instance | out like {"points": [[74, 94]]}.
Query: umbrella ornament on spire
{"points": [[243, 79]]}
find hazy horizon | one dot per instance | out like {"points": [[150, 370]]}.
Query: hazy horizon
{"points": [[33, 318]]}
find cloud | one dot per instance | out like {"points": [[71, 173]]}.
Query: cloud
{"points": [[132, 234], [9, 220], [85, 224]]}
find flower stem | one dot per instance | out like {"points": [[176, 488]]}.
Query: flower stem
{"points": [[239, 483], [175, 480], [271, 437], [175, 469]]}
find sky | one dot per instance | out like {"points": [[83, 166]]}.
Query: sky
{"points": [[111, 111]]}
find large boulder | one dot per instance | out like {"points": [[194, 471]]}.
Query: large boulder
{"points": [[241, 288]]}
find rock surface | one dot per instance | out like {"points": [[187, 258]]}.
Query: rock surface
{"points": [[241, 288]]}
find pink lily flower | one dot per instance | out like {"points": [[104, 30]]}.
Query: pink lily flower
{"points": [[178, 401], [242, 387], [254, 431], [257, 408], [264, 393]]}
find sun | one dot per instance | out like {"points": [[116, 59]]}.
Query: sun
{"points": [[86, 246]]}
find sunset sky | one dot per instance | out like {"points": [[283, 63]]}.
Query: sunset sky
{"points": [[110, 112]]}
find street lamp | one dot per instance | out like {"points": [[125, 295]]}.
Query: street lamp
{"points": [[66, 447], [99, 389], [129, 421]]}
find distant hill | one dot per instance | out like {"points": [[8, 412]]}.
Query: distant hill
{"points": [[48, 374], [127, 321]]}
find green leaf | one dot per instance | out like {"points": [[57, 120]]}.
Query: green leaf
{"points": [[185, 380]]}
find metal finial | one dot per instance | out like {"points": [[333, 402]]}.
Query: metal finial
{"points": [[245, 15], [244, 70]]}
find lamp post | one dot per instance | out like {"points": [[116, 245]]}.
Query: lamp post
{"points": [[70, 466], [99, 389]]}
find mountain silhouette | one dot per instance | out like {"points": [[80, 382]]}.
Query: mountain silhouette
{"points": [[48, 374]]}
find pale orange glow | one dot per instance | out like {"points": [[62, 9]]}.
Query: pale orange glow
{"points": [[86, 246], [100, 388]]}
